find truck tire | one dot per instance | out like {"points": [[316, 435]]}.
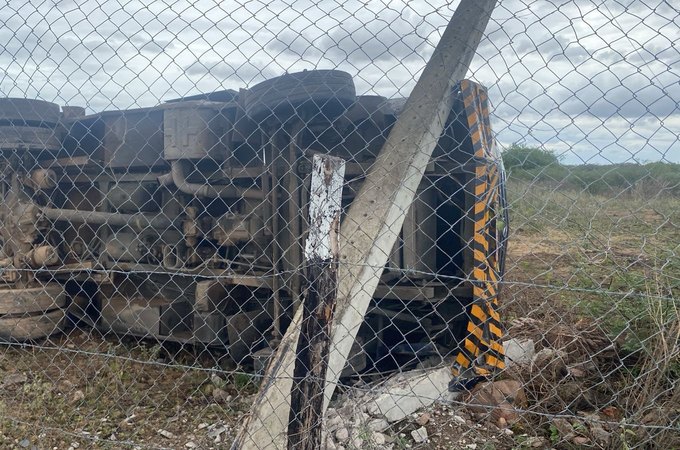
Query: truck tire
{"points": [[28, 112], [26, 328], [28, 138], [327, 91], [19, 302]]}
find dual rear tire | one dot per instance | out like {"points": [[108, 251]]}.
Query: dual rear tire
{"points": [[32, 313]]}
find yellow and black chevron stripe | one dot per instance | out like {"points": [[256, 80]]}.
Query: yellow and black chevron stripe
{"points": [[482, 349]]}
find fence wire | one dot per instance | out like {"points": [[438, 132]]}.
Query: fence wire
{"points": [[165, 168]]}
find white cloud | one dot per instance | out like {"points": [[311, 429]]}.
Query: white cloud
{"points": [[595, 80]]}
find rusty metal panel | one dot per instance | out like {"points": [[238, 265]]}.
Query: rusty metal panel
{"points": [[119, 139]]}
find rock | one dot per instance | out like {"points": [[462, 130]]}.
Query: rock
{"points": [[423, 419], [221, 396], [519, 352], [536, 442], [378, 425], [127, 421], [329, 444], [191, 444], [216, 432], [550, 364], [472, 446], [14, 379], [502, 423], [420, 435], [357, 442], [379, 439], [580, 440], [24, 442], [347, 410], [459, 420], [333, 423], [599, 434], [498, 399], [342, 435], [216, 380], [166, 434], [78, 396], [406, 393]]}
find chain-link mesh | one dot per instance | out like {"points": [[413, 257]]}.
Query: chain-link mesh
{"points": [[206, 200]]}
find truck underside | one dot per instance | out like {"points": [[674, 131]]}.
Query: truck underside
{"points": [[186, 221]]}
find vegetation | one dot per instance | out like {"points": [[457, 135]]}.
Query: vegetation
{"points": [[540, 165], [528, 158], [593, 257]]}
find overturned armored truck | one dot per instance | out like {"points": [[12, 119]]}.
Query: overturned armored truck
{"points": [[186, 221]]}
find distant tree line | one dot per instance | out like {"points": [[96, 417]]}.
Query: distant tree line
{"points": [[537, 164]]}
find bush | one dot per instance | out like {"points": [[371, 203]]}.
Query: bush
{"points": [[533, 165], [528, 158]]}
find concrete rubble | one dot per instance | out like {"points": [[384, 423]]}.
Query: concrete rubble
{"points": [[519, 352], [364, 416], [406, 393], [415, 408], [419, 435]]}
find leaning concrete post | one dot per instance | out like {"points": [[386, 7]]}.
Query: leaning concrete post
{"points": [[376, 215]]}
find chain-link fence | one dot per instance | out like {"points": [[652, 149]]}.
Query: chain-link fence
{"points": [[340, 225]]}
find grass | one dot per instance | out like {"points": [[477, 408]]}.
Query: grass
{"points": [[580, 260], [598, 252], [109, 396]]}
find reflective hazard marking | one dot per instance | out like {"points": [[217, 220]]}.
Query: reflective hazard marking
{"points": [[482, 349]]}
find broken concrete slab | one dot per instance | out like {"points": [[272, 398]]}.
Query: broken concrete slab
{"points": [[420, 435], [404, 394], [519, 352]]}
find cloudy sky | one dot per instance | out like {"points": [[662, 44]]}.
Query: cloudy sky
{"points": [[594, 80]]}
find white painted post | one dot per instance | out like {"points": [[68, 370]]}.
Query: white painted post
{"points": [[292, 393]]}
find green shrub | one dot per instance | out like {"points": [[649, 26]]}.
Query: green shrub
{"points": [[535, 165], [528, 158]]}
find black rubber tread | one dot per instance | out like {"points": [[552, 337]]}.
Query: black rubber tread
{"points": [[369, 107], [32, 300], [26, 110], [328, 91], [26, 328], [30, 138]]}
